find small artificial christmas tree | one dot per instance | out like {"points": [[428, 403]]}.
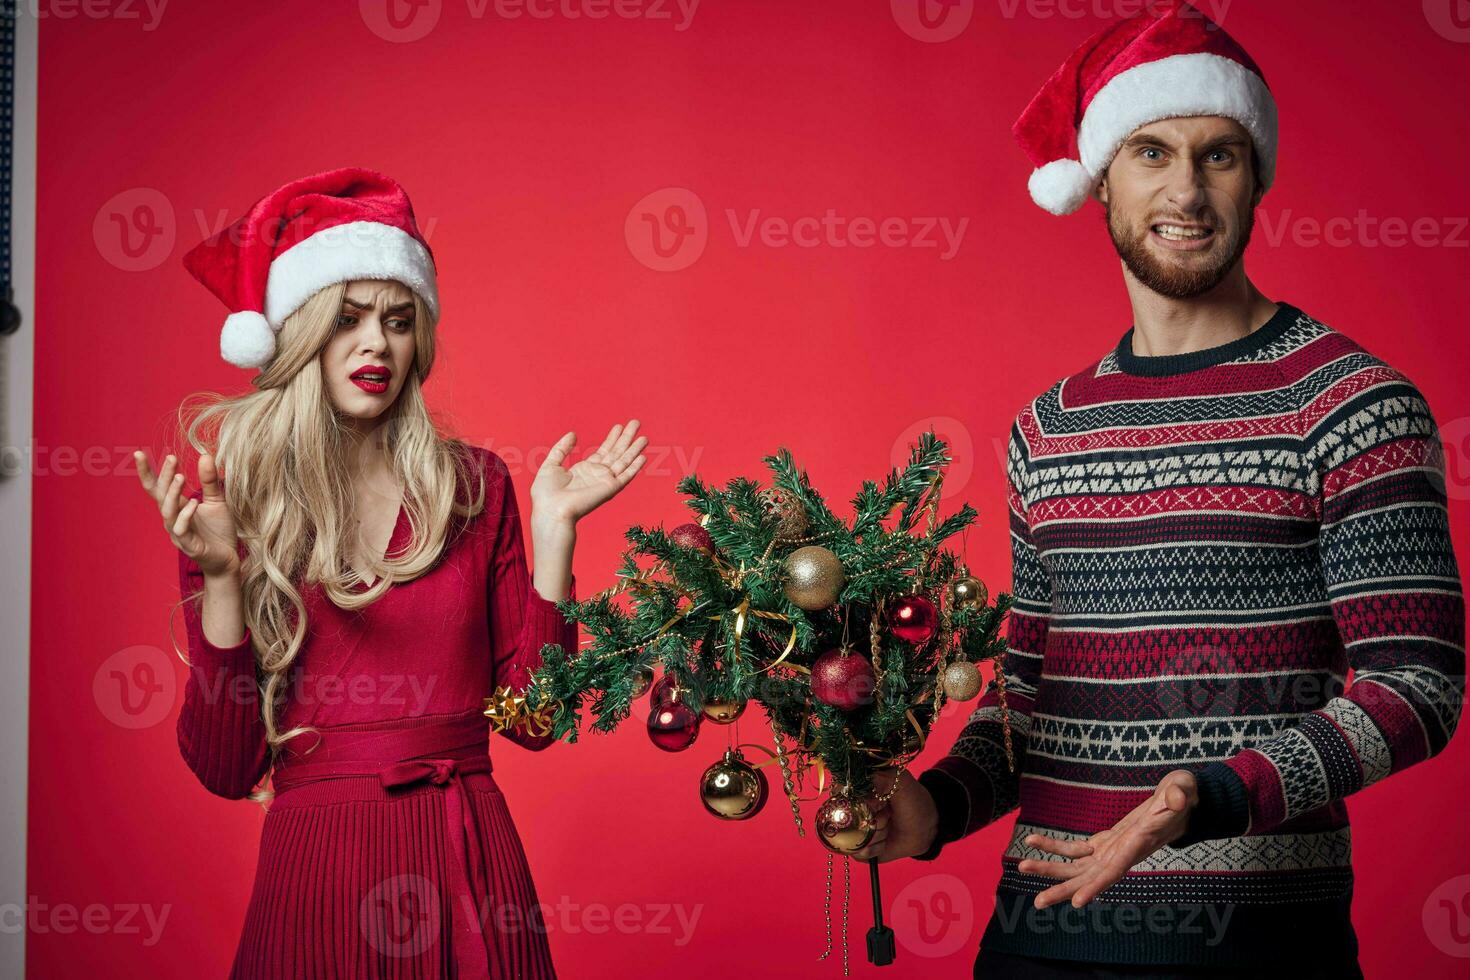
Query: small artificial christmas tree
{"points": [[848, 635]]}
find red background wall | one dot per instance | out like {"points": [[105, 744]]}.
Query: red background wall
{"points": [[526, 143]]}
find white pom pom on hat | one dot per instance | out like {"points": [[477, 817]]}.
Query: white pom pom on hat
{"points": [[1061, 186], [247, 340], [1168, 61], [330, 227]]}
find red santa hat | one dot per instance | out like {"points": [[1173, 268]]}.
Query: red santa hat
{"points": [[1169, 61], [328, 228]]}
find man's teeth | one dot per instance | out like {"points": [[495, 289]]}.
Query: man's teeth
{"points": [[1174, 233]]}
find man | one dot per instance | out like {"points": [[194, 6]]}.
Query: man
{"points": [[1210, 525]]}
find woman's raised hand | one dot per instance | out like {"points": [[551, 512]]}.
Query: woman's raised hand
{"points": [[564, 495], [203, 529]]}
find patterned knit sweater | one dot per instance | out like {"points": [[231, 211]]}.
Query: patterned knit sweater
{"points": [[1204, 545]]}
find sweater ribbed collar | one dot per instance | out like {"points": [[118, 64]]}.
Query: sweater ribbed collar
{"points": [[1167, 364]]}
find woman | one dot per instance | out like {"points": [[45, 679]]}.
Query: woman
{"points": [[364, 589]]}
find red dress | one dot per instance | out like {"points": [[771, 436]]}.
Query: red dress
{"points": [[388, 850]]}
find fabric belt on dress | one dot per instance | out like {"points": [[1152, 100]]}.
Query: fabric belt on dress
{"points": [[440, 751]]}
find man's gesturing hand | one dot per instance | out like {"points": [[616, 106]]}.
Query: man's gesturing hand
{"points": [[1105, 857]]}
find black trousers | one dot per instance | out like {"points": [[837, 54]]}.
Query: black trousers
{"points": [[1004, 966]]}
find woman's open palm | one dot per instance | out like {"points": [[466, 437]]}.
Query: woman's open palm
{"points": [[568, 494], [203, 528]]}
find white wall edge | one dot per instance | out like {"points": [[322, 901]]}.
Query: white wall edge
{"points": [[17, 352]]}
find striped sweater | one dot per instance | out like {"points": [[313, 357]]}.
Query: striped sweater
{"points": [[1203, 546]]}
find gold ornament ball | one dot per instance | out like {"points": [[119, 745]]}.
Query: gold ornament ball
{"points": [[844, 825], [968, 591], [814, 577], [788, 513], [732, 790], [961, 680], [642, 681], [723, 712]]}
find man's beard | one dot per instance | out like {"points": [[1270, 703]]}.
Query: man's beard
{"points": [[1171, 280]]}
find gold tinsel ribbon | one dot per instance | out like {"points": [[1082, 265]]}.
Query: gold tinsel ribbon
{"points": [[508, 709], [743, 612], [772, 759]]}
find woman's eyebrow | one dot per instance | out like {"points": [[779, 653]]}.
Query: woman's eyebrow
{"points": [[395, 308]]}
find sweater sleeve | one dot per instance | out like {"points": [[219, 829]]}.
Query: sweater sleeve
{"points": [[1375, 464], [973, 785], [521, 620], [220, 729]]}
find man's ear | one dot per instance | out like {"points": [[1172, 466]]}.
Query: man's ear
{"points": [[1100, 190], [1259, 193]]}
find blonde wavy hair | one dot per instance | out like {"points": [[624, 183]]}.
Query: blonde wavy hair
{"points": [[282, 452]]}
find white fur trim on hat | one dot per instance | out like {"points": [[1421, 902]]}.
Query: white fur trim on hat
{"points": [[1061, 186], [247, 340], [354, 250], [1181, 85]]}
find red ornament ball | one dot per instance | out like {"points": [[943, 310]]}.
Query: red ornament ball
{"points": [[674, 726], [662, 690], [692, 536], [913, 618], [843, 679], [667, 690]]}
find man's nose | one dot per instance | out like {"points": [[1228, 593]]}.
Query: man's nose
{"points": [[1186, 190]]}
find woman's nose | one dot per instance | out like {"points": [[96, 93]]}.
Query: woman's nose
{"points": [[373, 338]]}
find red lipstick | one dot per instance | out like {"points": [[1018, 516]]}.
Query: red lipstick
{"points": [[372, 378]]}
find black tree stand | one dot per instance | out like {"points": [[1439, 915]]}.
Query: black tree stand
{"points": [[881, 950]]}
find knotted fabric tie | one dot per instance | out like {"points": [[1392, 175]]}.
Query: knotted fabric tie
{"points": [[438, 752]]}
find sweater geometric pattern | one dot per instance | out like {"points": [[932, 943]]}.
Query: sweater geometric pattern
{"points": [[1204, 546]]}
